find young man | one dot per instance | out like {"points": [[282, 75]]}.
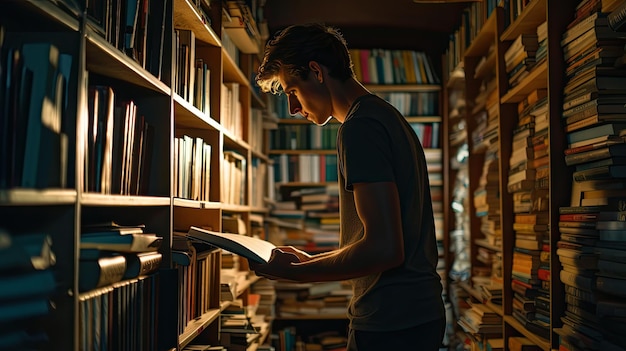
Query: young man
{"points": [[387, 247]]}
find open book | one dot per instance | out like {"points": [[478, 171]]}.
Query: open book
{"points": [[254, 249]]}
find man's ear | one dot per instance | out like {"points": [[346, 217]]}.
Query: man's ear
{"points": [[317, 70]]}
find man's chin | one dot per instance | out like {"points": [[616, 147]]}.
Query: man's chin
{"points": [[323, 123]]}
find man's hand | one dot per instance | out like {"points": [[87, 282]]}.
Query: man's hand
{"points": [[279, 266]]}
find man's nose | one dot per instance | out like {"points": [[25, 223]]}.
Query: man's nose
{"points": [[294, 105]]}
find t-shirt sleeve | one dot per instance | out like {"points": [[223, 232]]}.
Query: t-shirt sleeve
{"points": [[365, 151]]}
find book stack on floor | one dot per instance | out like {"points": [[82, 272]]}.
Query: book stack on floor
{"points": [[528, 183], [115, 271], [592, 245], [27, 289]]}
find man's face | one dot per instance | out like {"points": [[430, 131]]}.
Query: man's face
{"points": [[309, 98]]}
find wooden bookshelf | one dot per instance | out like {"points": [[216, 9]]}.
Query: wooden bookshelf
{"points": [[80, 198], [547, 74]]}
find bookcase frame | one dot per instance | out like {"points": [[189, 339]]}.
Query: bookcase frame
{"points": [[62, 212], [548, 75]]}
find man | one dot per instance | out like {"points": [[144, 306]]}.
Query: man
{"points": [[387, 246]]}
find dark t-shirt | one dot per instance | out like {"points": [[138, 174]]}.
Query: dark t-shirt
{"points": [[376, 144]]}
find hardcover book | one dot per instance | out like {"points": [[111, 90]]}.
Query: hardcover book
{"points": [[254, 249]]}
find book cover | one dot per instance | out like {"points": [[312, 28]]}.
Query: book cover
{"points": [[254, 249], [101, 271], [142, 263], [123, 243]]}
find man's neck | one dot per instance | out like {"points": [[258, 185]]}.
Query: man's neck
{"points": [[344, 94]]}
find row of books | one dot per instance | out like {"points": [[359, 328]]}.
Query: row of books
{"points": [[36, 132], [234, 178], [304, 137], [591, 243], [421, 103], [119, 145], [192, 76], [135, 328], [192, 170], [135, 27], [304, 168], [383, 66], [198, 271]]}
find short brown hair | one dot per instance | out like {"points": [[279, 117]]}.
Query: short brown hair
{"points": [[295, 46]]}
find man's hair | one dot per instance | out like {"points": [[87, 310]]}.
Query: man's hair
{"points": [[295, 46]]}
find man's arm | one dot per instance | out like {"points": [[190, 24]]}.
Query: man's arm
{"points": [[381, 248]]}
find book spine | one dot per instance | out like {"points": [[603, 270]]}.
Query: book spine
{"points": [[617, 18]]}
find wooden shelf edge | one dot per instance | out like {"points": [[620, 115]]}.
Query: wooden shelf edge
{"points": [[92, 199], [544, 344], [196, 326], [23, 197], [402, 87], [532, 16]]}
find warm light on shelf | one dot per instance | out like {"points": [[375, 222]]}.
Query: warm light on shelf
{"points": [[443, 1]]}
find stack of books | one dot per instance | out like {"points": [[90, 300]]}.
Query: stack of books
{"points": [[528, 183], [519, 58], [27, 287], [480, 319], [325, 298], [592, 246], [118, 270]]}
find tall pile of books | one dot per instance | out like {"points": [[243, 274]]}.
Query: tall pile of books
{"points": [[487, 194], [528, 182], [592, 244], [27, 286]]}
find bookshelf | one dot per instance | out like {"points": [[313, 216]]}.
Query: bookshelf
{"points": [[196, 157], [540, 94]]}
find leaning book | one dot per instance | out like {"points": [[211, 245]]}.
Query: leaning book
{"points": [[254, 249]]}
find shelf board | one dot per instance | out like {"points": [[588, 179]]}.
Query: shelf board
{"points": [[527, 22], [390, 88], [423, 119], [537, 78], [196, 326], [186, 16], [188, 116], [260, 155], [302, 152], [232, 72], [541, 342], [186, 203], [312, 317], [93, 199], [305, 184], [470, 290], [103, 58], [50, 11], [234, 142], [484, 243], [28, 197], [486, 68], [234, 208], [485, 39]]}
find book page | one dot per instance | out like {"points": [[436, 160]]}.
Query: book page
{"points": [[254, 249]]}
